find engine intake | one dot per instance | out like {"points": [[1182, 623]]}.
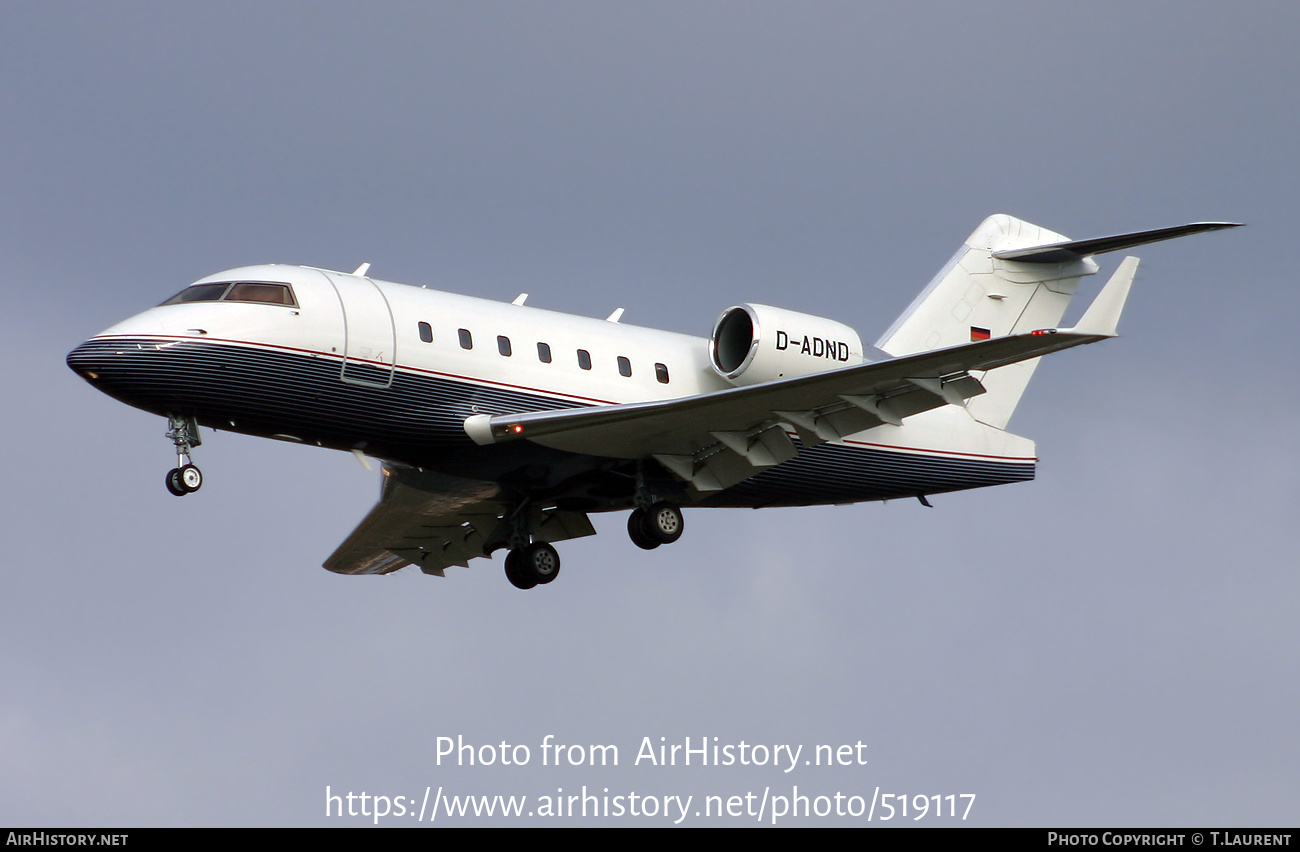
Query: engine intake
{"points": [[759, 343]]}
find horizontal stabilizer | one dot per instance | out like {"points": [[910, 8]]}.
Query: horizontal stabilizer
{"points": [[1071, 250]]}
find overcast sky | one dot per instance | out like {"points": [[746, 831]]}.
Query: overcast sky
{"points": [[1113, 643]]}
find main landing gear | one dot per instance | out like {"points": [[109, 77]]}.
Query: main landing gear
{"points": [[529, 563], [533, 565], [186, 477], [659, 523], [653, 522]]}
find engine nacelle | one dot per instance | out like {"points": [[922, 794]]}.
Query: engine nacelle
{"points": [[758, 343]]}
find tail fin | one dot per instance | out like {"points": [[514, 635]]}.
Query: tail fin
{"points": [[979, 295], [1010, 277]]}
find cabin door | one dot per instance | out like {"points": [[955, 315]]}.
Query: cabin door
{"points": [[369, 340]]}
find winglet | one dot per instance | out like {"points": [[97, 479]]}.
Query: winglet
{"points": [[1102, 317]]}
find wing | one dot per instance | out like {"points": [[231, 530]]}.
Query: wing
{"points": [[437, 521], [717, 439]]}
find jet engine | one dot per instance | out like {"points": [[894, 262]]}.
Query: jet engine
{"points": [[759, 343]]}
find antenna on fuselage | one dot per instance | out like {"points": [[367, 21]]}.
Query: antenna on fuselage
{"points": [[520, 299], [616, 316], [362, 270]]}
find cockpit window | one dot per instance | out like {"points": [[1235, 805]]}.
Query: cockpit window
{"points": [[275, 294], [239, 291], [198, 293]]}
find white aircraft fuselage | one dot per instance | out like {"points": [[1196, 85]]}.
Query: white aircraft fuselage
{"points": [[505, 424], [345, 368]]}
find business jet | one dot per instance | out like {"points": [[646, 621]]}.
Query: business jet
{"points": [[500, 425]]}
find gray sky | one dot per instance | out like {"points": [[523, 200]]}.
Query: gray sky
{"points": [[1111, 644]]}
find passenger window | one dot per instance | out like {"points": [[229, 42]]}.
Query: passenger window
{"points": [[426, 332], [503, 345], [584, 359], [466, 340], [544, 353], [624, 366], [661, 373]]}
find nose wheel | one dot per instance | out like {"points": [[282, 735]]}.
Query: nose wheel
{"points": [[185, 478]]}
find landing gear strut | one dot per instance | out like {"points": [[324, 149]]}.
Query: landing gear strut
{"points": [[186, 477]]}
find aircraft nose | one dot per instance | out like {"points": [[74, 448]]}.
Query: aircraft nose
{"points": [[100, 358], [127, 370], [91, 361], [116, 361]]}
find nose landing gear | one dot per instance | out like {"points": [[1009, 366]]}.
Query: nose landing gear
{"points": [[186, 477]]}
